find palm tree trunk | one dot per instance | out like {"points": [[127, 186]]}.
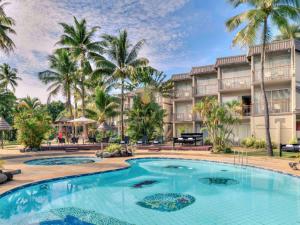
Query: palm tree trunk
{"points": [[122, 110], [262, 87], [76, 114]]}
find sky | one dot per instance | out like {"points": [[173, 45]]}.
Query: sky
{"points": [[179, 34]]}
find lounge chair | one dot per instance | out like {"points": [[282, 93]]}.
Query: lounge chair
{"points": [[125, 141], [74, 140], [92, 140], [143, 141]]}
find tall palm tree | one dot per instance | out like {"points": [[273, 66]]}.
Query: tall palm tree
{"points": [[290, 31], [104, 105], [78, 40], [121, 62], [8, 77], [256, 22], [61, 77], [6, 24]]}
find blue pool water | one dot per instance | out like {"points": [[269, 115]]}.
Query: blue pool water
{"points": [[160, 192], [60, 161]]}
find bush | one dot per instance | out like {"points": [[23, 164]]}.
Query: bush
{"points": [[207, 141], [248, 142], [113, 148], [33, 127], [228, 151], [259, 143]]}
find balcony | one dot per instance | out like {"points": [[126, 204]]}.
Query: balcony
{"points": [[206, 90], [183, 94], [181, 117], [246, 110], [275, 106], [235, 83], [274, 73]]}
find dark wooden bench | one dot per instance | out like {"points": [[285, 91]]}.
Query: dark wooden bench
{"points": [[289, 148], [189, 138]]}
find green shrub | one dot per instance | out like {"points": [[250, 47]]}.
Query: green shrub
{"points": [[248, 142], [207, 141], [33, 127], [228, 151], [113, 147], [259, 143]]}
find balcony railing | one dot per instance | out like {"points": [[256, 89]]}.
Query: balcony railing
{"points": [[183, 93], [235, 83], [274, 73], [183, 116], [206, 89], [275, 106]]}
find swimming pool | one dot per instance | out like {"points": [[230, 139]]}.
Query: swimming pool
{"points": [[159, 191], [61, 161]]}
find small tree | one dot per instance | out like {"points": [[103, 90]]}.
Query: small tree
{"points": [[219, 121], [33, 125], [145, 118]]}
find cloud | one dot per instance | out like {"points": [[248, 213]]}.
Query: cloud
{"points": [[161, 23]]}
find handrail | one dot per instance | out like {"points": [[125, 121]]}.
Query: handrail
{"points": [[182, 116], [281, 72], [235, 82]]}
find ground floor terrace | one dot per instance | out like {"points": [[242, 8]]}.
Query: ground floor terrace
{"points": [[30, 174]]}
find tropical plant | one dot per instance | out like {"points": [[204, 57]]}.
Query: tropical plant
{"points": [[113, 148], [62, 76], [219, 121], [145, 119], [29, 103], [78, 40], [290, 31], [256, 22], [33, 127], [104, 106], [7, 105], [55, 109], [6, 24], [121, 63], [8, 77]]}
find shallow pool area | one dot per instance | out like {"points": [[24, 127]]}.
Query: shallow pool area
{"points": [[159, 191], [61, 161]]}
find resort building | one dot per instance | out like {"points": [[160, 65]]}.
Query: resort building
{"points": [[238, 78]]}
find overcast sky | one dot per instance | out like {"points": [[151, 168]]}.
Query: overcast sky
{"points": [[179, 33]]}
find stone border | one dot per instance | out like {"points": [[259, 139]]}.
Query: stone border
{"points": [[128, 166]]}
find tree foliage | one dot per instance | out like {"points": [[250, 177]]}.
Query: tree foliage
{"points": [[8, 77], [7, 105], [219, 120], [33, 126], [54, 109], [145, 119]]}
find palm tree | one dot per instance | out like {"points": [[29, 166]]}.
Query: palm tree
{"points": [[291, 31], [29, 103], [104, 105], [61, 77], [8, 77], [121, 62], [256, 23], [78, 40], [6, 23]]}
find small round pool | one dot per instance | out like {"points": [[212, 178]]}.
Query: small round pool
{"points": [[61, 161]]}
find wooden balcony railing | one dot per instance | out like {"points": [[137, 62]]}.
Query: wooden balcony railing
{"points": [[275, 106], [274, 73], [183, 117], [206, 90], [183, 93], [235, 83]]}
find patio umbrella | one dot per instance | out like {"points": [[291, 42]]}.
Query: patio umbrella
{"points": [[83, 121], [4, 126]]}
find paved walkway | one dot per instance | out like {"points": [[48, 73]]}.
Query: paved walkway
{"points": [[36, 173]]}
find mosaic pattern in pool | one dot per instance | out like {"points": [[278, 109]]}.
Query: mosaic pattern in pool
{"points": [[218, 181], [60, 161], [77, 216], [144, 183], [169, 202]]}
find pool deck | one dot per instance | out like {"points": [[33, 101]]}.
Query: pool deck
{"points": [[14, 160]]}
